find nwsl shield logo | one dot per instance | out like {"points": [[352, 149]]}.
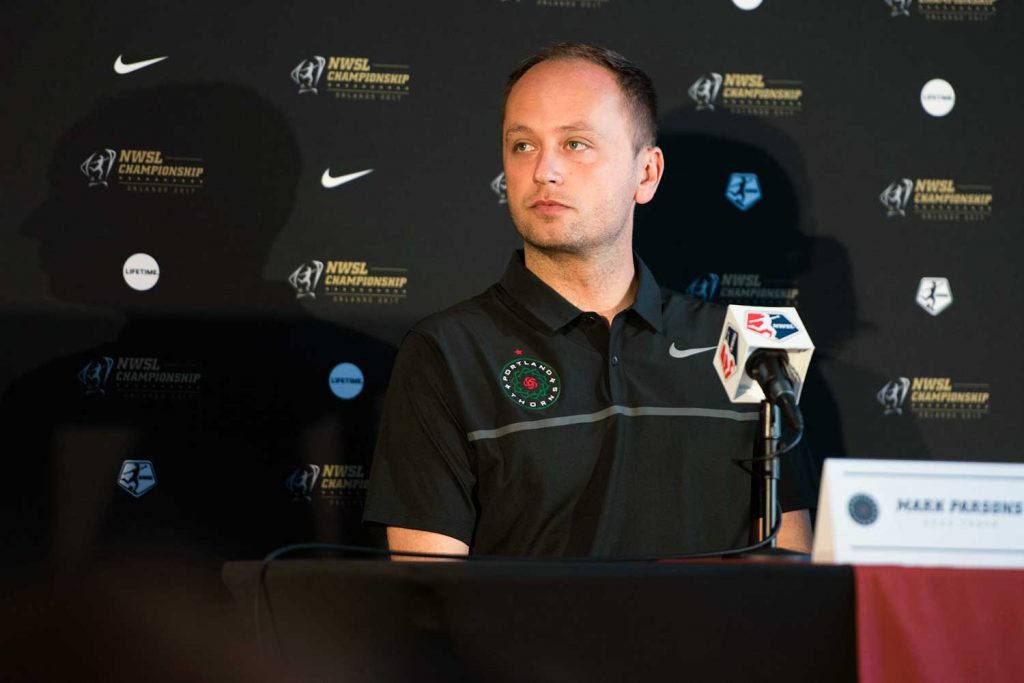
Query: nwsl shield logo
{"points": [[137, 477], [771, 325], [743, 190], [727, 352]]}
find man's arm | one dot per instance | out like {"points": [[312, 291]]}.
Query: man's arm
{"points": [[414, 540], [795, 533], [422, 477]]}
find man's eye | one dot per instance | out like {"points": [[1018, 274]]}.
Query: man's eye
{"points": [[576, 145], [522, 147]]}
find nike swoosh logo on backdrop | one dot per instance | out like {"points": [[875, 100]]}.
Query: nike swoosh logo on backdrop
{"points": [[122, 68], [684, 353], [329, 181]]}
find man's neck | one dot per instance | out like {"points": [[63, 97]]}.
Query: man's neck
{"points": [[604, 282]]}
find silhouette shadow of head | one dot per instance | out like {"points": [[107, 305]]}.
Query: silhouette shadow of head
{"points": [[201, 177], [732, 223]]}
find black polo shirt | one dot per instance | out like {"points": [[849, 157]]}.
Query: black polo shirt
{"points": [[523, 426]]}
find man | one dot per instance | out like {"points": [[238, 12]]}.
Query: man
{"points": [[572, 408]]}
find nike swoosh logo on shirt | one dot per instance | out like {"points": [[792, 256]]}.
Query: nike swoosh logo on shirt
{"points": [[122, 68], [329, 181], [685, 353]]}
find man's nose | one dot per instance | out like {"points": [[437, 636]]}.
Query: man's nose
{"points": [[549, 168]]}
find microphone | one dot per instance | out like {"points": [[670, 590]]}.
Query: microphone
{"points": [[763, 354]]}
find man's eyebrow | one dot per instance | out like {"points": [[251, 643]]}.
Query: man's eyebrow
{"points": [[574, 126], [518, 128]]}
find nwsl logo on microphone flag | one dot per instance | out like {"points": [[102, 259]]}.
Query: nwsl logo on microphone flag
{"points": [[771, 325], [728, 352]]}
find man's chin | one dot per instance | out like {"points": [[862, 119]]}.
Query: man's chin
{"points": [[549, 244]]}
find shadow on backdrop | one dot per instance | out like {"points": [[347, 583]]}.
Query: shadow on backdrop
{"points": [[732, 223], [217, 383]]}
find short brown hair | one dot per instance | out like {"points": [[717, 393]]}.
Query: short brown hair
{"points": [[637, 87]]}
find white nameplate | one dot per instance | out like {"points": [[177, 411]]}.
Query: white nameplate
{"points": [[920, 512]]}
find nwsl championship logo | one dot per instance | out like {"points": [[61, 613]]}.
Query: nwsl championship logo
{"points": [[97, 167], [305, 279], [893, 394], [705, 90], [307, 74], [895, 197], [900, 8], [94, 375], [302, 482]]}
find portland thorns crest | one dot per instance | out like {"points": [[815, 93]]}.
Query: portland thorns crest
{"points": [[530, 383]]}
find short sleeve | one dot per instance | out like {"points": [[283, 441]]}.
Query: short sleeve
{"points": [[421, 476], [798, 479]]}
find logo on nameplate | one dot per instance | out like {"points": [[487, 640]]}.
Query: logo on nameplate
{"points": [[863, 509], [530, 383]]}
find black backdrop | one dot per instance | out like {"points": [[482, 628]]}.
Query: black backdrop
{"points": [[216, 381]]}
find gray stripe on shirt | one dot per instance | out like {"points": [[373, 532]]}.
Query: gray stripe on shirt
{"points": [[641, 411]]}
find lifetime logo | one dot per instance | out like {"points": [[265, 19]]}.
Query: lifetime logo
{"points": [[141, 272], [346, 381]]}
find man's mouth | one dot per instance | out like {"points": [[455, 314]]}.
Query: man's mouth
{"points": [[549, 206]]}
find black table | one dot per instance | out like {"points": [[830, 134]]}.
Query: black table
{"points": [[737, 620]]}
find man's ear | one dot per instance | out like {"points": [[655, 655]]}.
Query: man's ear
{"points": [[653, 161]]}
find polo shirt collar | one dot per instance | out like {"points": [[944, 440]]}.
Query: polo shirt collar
{"points": [[648, 295], [555, 312]]}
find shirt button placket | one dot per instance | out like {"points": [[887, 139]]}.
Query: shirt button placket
{"points": [[614, 361]]}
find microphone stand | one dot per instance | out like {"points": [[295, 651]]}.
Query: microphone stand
{"points": [[764, 512]]}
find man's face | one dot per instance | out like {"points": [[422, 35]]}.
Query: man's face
{"points": [[568, 153]]}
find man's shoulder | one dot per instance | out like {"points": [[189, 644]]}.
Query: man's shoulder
{"points": [[466, 316], [682, 312]]}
